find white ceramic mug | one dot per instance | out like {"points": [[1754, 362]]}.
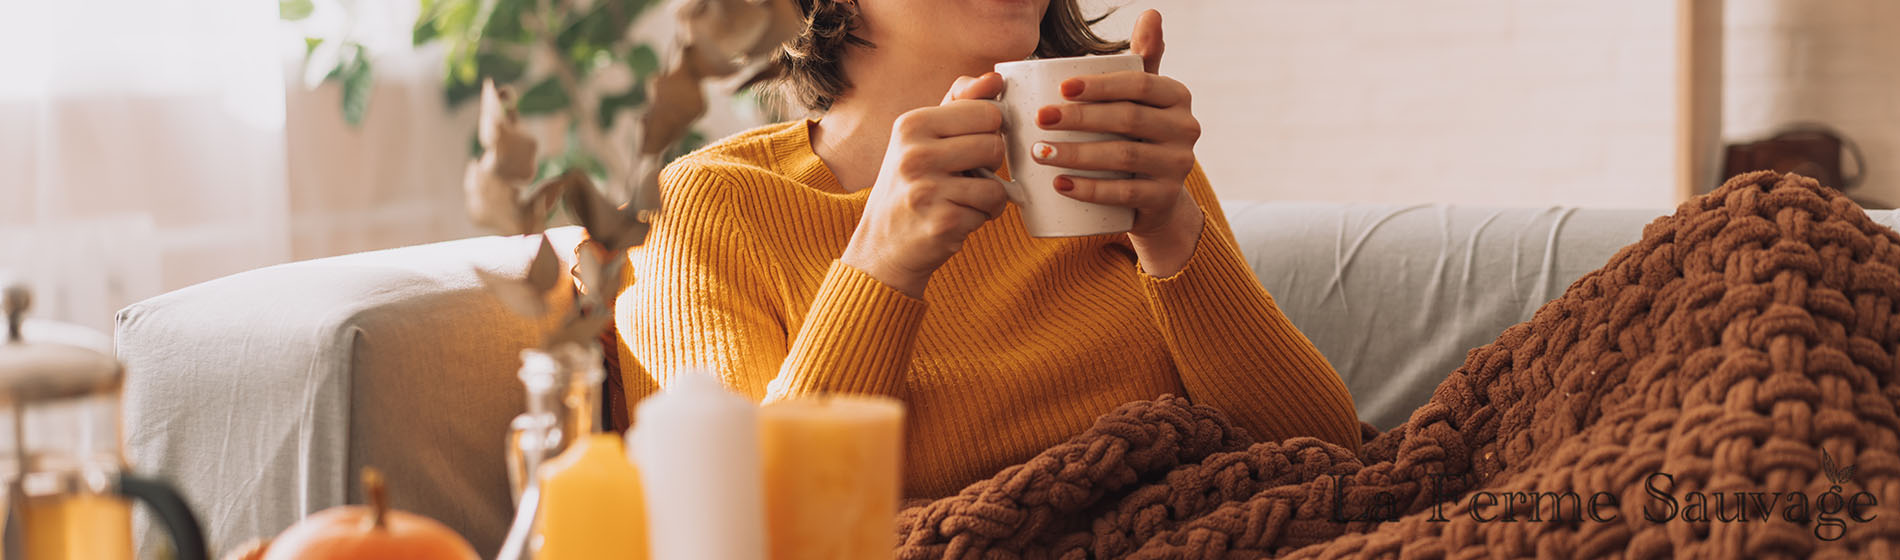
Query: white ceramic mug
{"points": [[1029, 85]]}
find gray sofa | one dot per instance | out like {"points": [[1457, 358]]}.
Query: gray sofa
{"points": [[262, 393]]}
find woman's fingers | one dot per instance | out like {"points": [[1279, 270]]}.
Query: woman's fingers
{"points": [[949, 156], [955, 118], [1132, 193], [957, 86], [1140, 87], [1147, 40], [1140, 158], [985, 86], [982, 195], [1133, 120]]}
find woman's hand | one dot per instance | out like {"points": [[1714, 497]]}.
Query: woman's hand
{"points": [[1154, 111], [923, 206]]}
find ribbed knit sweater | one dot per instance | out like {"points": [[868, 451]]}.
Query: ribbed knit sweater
{"points": [[1017, 344]]}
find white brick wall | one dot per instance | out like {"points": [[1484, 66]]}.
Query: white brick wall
{"points": [[1835, 62], [1467, 101], [1511, 102]]}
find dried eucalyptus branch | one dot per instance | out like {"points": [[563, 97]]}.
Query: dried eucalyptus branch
{"points": [[497, 187], [718, 39]]}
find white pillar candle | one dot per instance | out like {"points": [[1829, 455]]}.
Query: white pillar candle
{"points": [[697, 447]]}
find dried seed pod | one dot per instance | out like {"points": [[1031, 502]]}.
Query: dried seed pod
{"points": [[527, 296], [677, 102], [496, 188], [507, 149]]}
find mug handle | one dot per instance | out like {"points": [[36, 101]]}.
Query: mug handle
{"points": [[188, 541], [1011, 188]]}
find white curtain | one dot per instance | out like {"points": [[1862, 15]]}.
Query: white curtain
{"points": [[147, 145], [141, 148]]}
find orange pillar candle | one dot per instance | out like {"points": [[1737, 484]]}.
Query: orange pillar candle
{"points": [[592, 505], [832, 469]]}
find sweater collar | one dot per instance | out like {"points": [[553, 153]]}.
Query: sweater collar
{"points": [[792, 150]]}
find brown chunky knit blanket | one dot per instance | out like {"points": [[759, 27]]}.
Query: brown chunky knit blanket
{"points": [[1740, 356]]}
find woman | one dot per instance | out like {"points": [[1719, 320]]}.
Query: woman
{"points": [[855, 253]]}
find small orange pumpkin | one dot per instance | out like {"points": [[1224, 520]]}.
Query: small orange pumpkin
{"points": [[372, 532], [253, 549]]}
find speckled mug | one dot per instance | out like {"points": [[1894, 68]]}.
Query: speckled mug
{"points": [[1029, 85]]}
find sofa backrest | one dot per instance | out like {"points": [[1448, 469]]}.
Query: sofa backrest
{"points": [[1394, 296]]}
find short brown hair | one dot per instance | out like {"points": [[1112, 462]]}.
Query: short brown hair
{"points": [[813, 73]]}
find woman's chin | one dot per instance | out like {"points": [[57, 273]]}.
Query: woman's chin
{"points": [[1007, 50]]}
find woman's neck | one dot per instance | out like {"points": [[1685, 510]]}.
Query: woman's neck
{"points": [[852, 137]]}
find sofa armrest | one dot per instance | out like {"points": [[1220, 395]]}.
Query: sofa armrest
{"points": [[262, 394]]}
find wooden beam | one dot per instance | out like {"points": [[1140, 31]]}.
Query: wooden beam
{"points": [[1698, 96]]}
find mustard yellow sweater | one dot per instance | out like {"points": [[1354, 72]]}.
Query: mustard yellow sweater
{"points": [[1018, 344]]}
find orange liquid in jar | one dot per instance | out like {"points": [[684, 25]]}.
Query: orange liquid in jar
{"points": [[74, 527]]}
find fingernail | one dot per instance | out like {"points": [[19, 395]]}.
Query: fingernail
{"points": [[1071, 88], [1048, 115], [1043, 151], [1064, 184]]}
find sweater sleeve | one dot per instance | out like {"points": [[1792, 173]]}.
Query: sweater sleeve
{"points": [[705, 295], [857, 339], [1234, 348]]}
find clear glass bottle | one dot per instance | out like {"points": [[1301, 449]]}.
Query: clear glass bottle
{"points": [[592, 503], [580, 497], [535, 435]]}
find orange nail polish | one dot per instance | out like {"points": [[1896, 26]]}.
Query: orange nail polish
{"points": [[1064, 184], [1072, 88], [1048, 115]]}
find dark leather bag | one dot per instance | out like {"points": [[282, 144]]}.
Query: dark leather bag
{"points": [[1811, 150]]}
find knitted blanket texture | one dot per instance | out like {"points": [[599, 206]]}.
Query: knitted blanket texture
{"points": [[1740, 356]]}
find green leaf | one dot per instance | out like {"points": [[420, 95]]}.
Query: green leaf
{"points": [[612, 105], [440, 19], [310, 45], [600, 28], [643, 61], [615, 18], [461, 63], [504, 22], [356, 87], [499, 67], [294, 10], [424, 32], [456, 93], [545, 97], [325, 60], [453, 17]]}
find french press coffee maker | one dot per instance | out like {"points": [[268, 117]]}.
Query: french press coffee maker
{"points": [[68, 493]]}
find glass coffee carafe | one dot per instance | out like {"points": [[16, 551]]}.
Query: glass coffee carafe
{"points": [[67, 490]]}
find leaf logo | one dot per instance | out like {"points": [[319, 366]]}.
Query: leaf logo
{"points": [[1834, 471]]}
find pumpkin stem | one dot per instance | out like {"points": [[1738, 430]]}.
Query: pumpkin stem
{"points": [[378, 498]]}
